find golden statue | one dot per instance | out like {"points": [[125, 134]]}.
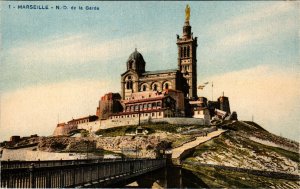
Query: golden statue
{"points": [[187, 13]]}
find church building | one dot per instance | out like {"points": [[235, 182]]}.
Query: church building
{"points": [[154, 95], [183, 78]]}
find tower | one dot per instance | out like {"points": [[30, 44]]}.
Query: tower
{"points": [[130, 79], [187, 52]]}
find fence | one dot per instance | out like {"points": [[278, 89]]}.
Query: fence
{"points": [[51, 163], [99, 173]]}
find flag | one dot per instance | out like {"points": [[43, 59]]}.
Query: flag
{"points": [[206, 83], [201, 87]]}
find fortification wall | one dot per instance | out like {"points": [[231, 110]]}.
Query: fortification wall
{"points": [[64, 130], [111, 123], [180, 120]]}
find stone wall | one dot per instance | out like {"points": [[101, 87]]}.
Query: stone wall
{"points": [[64, 130], [180, 121], [110, 123]]}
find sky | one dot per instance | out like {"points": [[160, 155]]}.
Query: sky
{"points": [[56, 64]]}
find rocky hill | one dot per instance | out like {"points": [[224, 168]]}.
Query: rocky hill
{"points": [[246, 146], [246, 155]]}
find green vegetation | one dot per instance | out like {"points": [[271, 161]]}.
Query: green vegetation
{"points": [[151, 128], [255, 125], [182, 140], [219, 146], [84, 133], [116, 131], [219, 178], [81, 131]]}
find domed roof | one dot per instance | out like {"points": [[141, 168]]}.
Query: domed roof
{"points": [[138, 57]]}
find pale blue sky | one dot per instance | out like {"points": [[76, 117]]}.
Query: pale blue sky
{"points": [[48, 47]]}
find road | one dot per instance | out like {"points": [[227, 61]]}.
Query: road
{"points": [[176, 152]]}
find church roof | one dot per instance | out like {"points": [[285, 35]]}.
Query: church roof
{"points": [[137, 56], [160, 71]]}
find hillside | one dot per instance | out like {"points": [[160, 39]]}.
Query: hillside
{"points": [[245, 146], [245, 156]]}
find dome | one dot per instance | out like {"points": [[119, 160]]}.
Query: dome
{"points": [[136, 56]]}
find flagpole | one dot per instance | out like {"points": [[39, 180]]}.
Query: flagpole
{"points": [[212, 91]]}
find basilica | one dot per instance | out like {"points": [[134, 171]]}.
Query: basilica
{"points": [[156, 96], [183, 78], [160, 92]]}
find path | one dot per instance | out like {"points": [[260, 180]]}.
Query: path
{"points": [[176, 152]]}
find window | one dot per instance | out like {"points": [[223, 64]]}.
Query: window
{"points": [[149, 105], [158, 104], [181, 52], [154, 87], [144, 88], [129, 84], [188, 51], [152, 114], [145, 106], [130, 64], [154, 104], [167, 86], [184, 51]]}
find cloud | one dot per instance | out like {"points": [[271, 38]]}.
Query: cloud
{"points": [[254, 15], [269, 93], [79, 49], [266, 23], [37, 109]]}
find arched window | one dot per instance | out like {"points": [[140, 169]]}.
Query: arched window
{"points": [[154, 87], [167, 86], [130, 64], [129, 84], [144, 88], [188, 51], [181, 52], [184, 51]]}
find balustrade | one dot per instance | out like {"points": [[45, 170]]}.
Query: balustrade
{"points": [[75, 174]]}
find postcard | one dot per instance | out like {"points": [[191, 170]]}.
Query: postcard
{"points": [[153, 94]]}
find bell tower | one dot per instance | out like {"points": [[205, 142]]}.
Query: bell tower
{"points": [[187, 53]]}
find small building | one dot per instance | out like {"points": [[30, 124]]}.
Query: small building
{"points": [[109, 104], [15, 139], [65, 128], [147, 108], [140, 131], [200, 110], [86, 119], [224, 103]]}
